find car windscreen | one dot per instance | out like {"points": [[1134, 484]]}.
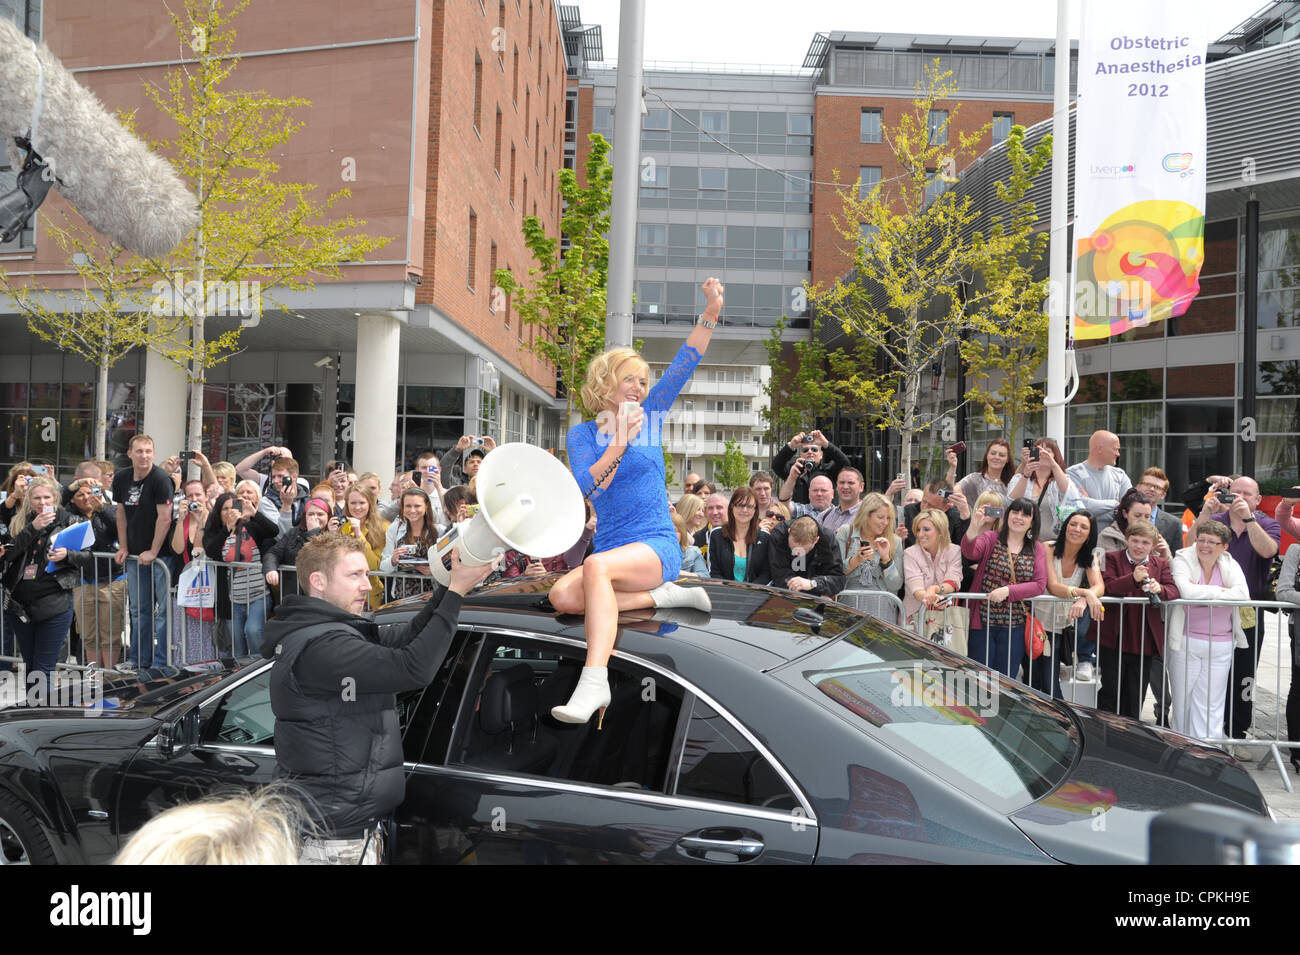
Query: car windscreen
{"points": [[988, 736]]}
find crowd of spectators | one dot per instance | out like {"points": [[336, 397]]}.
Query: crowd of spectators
{"points": [[1022, 525]]}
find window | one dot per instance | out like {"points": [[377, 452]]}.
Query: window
{"points": [[496, 144], [710, 242], [869, 126], [655, 119], [719, 762], [473, 243], [796, 245], [243, 716], [713, 179], [799, 129], [870, 176], [937, 127], [867, 233], [512, 174], [1002, 123], [654, 182], [935, 185], [501, 729], [492, 276], [528, 110], [478, 93], [653, 239], [514, 80], [713, 120]]}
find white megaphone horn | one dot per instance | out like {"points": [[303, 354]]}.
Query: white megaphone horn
{"points": [[527, 501]]}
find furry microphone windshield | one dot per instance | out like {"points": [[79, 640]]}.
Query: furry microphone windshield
{"points": [[120, 188]]}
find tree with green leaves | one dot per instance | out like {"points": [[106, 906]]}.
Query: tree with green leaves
{"points": [[564, 294], [257, 232], [803, 386], [731, 470], [1014, 308], [913, 292], [103, 321]]}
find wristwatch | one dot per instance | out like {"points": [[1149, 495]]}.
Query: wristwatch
{"points": [[1248, 520]]}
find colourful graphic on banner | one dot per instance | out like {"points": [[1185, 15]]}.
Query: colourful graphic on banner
{"points": [[1141, 265]]}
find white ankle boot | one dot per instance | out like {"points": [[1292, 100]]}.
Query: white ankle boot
{"points": [[591, 694], [670, 595]]}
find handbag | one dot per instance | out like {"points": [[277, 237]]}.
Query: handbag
{"points": [[1035, 632], [948, 627]]}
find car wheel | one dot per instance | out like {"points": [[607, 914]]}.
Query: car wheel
{"points": [[21, 839]]}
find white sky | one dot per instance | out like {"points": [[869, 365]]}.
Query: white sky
{"points": [[778, 33]]}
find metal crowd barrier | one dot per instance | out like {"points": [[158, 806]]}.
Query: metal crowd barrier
{"points": [[869, 601], [1153, 673]]}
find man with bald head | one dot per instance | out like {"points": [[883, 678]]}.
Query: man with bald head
{"points": [[1097, 477], [821, 499], [1254, 544], [715, 512]]}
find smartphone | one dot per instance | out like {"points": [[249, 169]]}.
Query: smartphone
{"points": [[186, 457], [40, 469], [1290, 494], [901, 476], [993, 512], [1034, 452]]}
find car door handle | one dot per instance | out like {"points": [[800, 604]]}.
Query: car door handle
{"points": [[235, 761], [732, 842]]}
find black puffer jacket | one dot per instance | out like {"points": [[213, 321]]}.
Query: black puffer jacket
{"points": [[332, 692]]}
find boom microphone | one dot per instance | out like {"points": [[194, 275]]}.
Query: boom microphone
{"points": [[117, 185]]}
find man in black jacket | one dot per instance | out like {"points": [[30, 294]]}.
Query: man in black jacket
{"points": [[816, 456], [333, 690], [803, 558]]}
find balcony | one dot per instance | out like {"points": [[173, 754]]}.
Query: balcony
{"points": [[700, 447], [719, 389], [736, 419]]}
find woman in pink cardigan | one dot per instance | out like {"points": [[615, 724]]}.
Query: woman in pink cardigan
{"points": [[1012, 568], [931, 566]]}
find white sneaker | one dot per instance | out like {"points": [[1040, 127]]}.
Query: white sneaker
{"points": [[1083, 672]]}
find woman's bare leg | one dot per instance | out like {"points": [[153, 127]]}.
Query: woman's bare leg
{"points": [[619, 579]]}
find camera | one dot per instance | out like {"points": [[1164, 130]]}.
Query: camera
{"points": [[185, 457], [809, 441], [40, 469], [993, 511], [478, 442], [943, 494], [192, 506], [958, 448], [97, 492], [286, 482], [1226, 497]]}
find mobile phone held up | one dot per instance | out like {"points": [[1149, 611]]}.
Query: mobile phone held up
{"points": [[993, 512]]}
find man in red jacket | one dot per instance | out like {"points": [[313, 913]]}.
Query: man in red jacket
{"points": [[1126, 664]]}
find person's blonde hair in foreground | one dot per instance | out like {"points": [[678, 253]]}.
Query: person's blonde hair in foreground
{"points": [[251, 828]]}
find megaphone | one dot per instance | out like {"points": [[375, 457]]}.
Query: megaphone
{"points": [[527, 501]]}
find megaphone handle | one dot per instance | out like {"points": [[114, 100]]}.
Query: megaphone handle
{"points": [[445, 546]]}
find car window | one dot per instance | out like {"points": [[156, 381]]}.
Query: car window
{"points": [[506, 725], [718, 762], [243, 714], [989, 736]]}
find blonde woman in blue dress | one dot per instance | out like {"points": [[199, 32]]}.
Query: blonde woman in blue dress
{"points": [[618, 460]]}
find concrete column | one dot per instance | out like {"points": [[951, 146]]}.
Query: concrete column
{"points": [[379, 339], [166, 400]]}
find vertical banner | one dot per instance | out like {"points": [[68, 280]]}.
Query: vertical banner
{"points": [[1139, 173]]}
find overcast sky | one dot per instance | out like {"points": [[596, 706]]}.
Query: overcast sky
{"points": [[778, 34]]}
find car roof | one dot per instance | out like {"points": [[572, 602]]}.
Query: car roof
{"points": [[761, 627]]}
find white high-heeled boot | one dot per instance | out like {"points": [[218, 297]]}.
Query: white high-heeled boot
{"points": [[671, 595], [591, 694]]}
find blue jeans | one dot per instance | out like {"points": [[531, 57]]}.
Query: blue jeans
{"points": [[998, 647], [39, 642], [246, 622], [146, 588]]}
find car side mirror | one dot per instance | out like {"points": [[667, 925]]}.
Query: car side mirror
{"points": [[180, 734]]}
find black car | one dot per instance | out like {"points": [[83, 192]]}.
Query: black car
{"points": [[778, 728]]}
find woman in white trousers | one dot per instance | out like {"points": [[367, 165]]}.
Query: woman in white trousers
{"points": [[1199, 641]]}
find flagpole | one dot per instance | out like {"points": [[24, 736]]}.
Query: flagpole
{"points": [[1058, 278]]}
